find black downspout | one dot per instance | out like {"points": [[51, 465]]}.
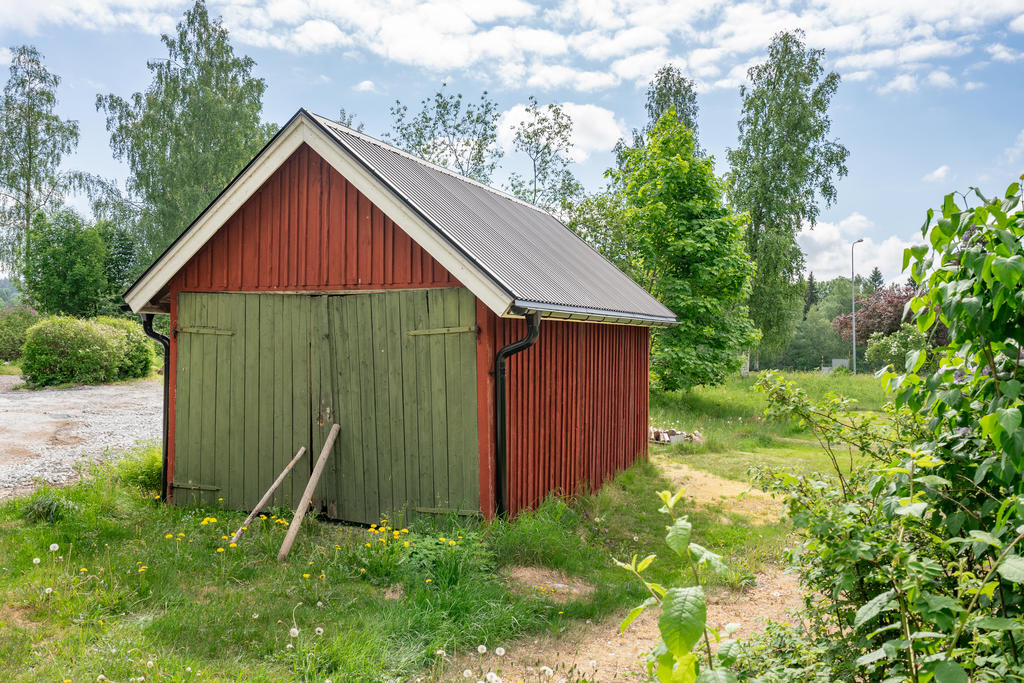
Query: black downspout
{"points": [[147, 325], [500, 412]]}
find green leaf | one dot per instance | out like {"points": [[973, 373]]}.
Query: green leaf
{"points": [[985, 537], [678, 537], [635, 612], [1012, 568], [645, 563], [728, 651], [683, 615], [912, 510], [871, 657], [915, 359], [949, 672], [997, 624], [872, 608], [1008, 270], [717, 676]]}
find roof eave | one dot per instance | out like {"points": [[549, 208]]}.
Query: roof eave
{"points": [[521, 306]]}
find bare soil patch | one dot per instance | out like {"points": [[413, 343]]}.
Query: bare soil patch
{"points": [[45, 433], [553, 584], [709, 490], [599, 652]]}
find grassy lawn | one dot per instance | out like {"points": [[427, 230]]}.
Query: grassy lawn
{"points": [[730, 417], [133, 582], [8, 368]]}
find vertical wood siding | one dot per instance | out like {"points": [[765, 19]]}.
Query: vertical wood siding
{"points": [[577, 406], [306, 229]]}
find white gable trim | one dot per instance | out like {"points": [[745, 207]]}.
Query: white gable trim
{"points": [[302, 130]]}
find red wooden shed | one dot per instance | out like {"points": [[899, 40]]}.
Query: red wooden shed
{"points": [[338, 279]]}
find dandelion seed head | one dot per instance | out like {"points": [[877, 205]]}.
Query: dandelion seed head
{"points": [[49, 590], [500, 651], [288, 646], [482, 649], [319, 603], [35, 560], [293, 632], [54, 547], [149, 664], [319, 631], [439, 653], [467, 673]]}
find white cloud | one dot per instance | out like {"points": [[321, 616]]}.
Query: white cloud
{"points": [[938, 175], [549, 76], [973, 85], [862, 75], [1016, 150], [941, 79], [5, 56], [365, 86], [594, 128], [1001, 53], [827, 249], [640, 66], [1018, 24], [902, 83]]}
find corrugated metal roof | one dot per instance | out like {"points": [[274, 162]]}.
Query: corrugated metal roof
{"points": [[526, 251]]}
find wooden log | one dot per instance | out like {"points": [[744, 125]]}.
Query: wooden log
{"points": [[307, 495], [268, 495]]}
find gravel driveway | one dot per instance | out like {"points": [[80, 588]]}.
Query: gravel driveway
{"points": [[44, 433]]}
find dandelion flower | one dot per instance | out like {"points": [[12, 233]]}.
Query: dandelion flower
{"points": [[305, 576], [406, 544], [547, 670], [443, 539], [493, 677], [439, 653], [181, 534], [500, 651], [219, 499], [149, 664], [367, 545], [213, 520], [35, 560], [168, 535], [255, 615], [319, 631], [232, 545], [54, 547], [223, 537], [319, 603], [593, 663], [288, 646], [323, 576], [293, 632], [362, 570], [48, 590], [337, 547], [451, 542], [220, 550], [143, 568], [429, 580], [482, 649], [83, 569], [467, 673], [405, 531]]}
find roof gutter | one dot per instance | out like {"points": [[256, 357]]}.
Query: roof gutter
{"points": [[593, 314], [500, 409]]}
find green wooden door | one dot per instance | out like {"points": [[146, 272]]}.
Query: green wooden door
{"points": [[242, 399], [397, 371]]}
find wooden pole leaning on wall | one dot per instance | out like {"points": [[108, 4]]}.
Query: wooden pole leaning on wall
{"points": [[307, 495], [268, 495]]}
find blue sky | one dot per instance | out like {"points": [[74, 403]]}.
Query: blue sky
{"points": [[932, 97]]}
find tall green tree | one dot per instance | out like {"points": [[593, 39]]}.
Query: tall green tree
{"points": [[545, 137], [811, 294], [668, 89], [785, 164], [64, 269], [689, 244], [875, 280], [33, 141], [450, 133], [192, 130]]}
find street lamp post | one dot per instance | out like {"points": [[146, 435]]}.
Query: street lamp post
{"points": [[853, 304]]}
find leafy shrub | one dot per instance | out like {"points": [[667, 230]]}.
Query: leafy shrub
{"points": [[447, 562], [841, 371], [48, 506], [14, 323], [137, 347], [893, 349], [141, 469], [61, 350]]}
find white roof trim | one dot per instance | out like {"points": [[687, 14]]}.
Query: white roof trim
{"points": [[302, 130]]}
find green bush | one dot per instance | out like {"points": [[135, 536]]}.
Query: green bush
{"points": [[62, 350], [141, 469], [14, 322], [138, 348], [893, 349], [48, 505]]}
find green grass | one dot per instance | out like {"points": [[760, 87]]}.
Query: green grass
{"points": [[228, 614], [737, 435], [9, 368]]}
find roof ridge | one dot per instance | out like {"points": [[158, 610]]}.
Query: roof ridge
{"points": [[430, 164]]}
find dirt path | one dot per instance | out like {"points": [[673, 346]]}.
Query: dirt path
{"points": [[44, 433], [599, 652]]}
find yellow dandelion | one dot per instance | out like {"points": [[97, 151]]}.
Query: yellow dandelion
{"points": [[443, 539], [429, 580], [263, 516], [169, 536], [143, 568], [305, 576], [203, 523], [362, 570], [83, 569], [219, 499], [451, 542], [223, 537], [311, 564], [181, 534], [405, 531], [406, 544], [323, 576], [245, 528], [561, 612], [383, 540], [213, 520], [367, 545], [220, 550], [337, 547], [232, 545]]}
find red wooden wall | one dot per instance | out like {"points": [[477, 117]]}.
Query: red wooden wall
{"points": [[306, 228], [577, 406], [577, 399]]}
